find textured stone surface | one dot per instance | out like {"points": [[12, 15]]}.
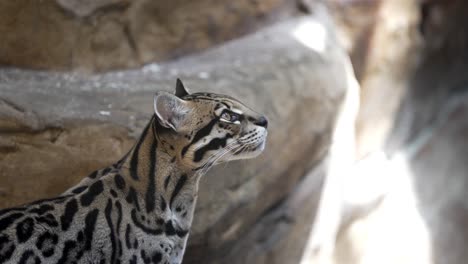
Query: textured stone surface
{"points": [[100, 35], [55, 128], [384, 56], [355, 23]]}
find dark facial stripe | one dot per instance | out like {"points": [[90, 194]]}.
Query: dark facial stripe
{"points": [[200, 134], [151, 188], [178, 187], [214, 144], [136, 152], [70, 210], [108, 212]]}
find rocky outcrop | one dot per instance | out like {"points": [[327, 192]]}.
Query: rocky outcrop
{"points": [[56, 128], [101, 35], [383, 41], [427, 169]]}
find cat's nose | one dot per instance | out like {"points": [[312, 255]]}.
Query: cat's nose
{"points": [[262, 121]]}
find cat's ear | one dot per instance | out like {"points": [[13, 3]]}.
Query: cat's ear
{"points": [[170, 110], [180, 90]]}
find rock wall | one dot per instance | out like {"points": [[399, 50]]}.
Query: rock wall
{"points": [[423, 216], [56, 128], [432, 121], [101, 35]]}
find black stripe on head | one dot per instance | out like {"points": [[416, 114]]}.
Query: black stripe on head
{"points": [[214, 144], [136, 152], [206, 130]]}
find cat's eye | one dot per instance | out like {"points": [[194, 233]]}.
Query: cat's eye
{"points": [[229, 117]]}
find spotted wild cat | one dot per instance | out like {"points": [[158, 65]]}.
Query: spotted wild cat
{"points": [[140, 209]]}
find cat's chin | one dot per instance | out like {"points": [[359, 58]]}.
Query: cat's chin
{"points": [[252, 153], [257, 150]]}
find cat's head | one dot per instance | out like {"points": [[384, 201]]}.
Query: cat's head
{"points": [[210, 128]]}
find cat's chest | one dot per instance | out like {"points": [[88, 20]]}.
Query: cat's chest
{"points": [[164, 247]]}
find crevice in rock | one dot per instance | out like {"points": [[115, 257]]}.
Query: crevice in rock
{"points": [[7, 103]]}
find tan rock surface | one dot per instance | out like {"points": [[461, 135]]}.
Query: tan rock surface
{"points": [[113, 34]]}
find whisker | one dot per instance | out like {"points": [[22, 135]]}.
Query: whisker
{"points": [[211, 160]]}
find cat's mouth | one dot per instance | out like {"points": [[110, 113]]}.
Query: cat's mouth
{"points": [[253, 147], [260, 146]]}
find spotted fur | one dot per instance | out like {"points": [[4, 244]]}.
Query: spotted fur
{"points": [[140, 209]]}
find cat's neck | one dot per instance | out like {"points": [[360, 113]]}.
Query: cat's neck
{"points": [[154, 171]]}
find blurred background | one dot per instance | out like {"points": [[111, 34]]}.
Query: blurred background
{"points": [[367, 155]]}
